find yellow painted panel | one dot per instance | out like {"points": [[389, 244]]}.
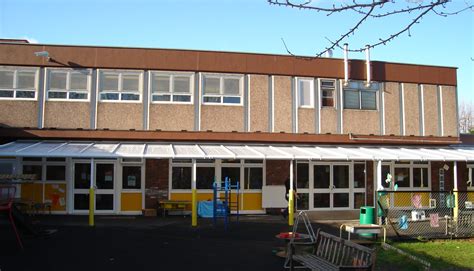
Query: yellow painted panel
{"points": [[32, 192], [56, 194], [405, 199], [131, 201], [252, 201], [470, 196]]}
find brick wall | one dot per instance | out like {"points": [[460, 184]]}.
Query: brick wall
{"points": [[277, 172], [369, 172], [156, 181]]}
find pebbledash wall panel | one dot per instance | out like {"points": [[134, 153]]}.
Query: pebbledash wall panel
{"points": [[67, 115], [392, 108], [328, 120], [221, 118], [412, 109], [306, 120], [259, 103], [449, 111], [171, 117], [120, 116], [430, 110], [282, 104], [361, 121], [19, 113]]}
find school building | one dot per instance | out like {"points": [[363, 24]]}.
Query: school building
{"points": [[142, 125]]}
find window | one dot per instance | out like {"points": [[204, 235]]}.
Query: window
{"points": [[18, 83], [120, 86], [305, 92], [131, 177], [358, 96], [205, 177], [68, 84], [328, 88], [181, 177], [408, 175], [171, 87], [222, 89]]}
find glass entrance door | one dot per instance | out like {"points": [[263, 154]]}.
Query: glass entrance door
{"points": [[331, 186], [103, 181]]}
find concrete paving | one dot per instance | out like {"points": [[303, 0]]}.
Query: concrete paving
{"points": [[148, 243]]}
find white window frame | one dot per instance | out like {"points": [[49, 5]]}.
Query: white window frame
{"points": [[411, 166], [311, 92], [361, 87], [171, 90], [321, 87], [120, 91], [16, 69], [68, 89], [221, 94]]}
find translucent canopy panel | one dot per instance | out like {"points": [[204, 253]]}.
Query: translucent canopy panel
{"points": [[94, 149]]}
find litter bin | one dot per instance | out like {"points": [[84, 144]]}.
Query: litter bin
{"points": [[367, 216]]}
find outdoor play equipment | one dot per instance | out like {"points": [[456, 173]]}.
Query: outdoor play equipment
{"points": [[223, 200]]}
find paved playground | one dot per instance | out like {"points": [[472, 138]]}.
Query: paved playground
{"points": [[147, 243]]}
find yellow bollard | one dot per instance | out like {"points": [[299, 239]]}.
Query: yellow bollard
{"points": [[91, 206], [194, 208], [291, 207], [456, 208]]}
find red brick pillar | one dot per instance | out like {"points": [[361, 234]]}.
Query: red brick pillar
{"points": [[156, 181], [369, 190]]}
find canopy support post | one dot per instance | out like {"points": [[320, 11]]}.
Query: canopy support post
{"points": [[291, 198], [194, 195], [455, 191], [91, 195]]}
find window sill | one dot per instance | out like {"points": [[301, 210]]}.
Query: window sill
{"points": [[361, 110], [69, 100], [19, 99], [222, 104], [120, 101]]}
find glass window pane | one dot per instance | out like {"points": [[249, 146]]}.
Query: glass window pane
{"points": [[302, 202], [6, 79], [130, 97], [109, 96], [321, 176], [182, 84], [57, 95], [341, 200], [181, 98], [161, 98], [211, 85], [305, 92], [351, 99], [6, 93], [302, 175], [33, 169], [359, 175], [369, 100], [161, 83], [341, 176], [6, 168], [204, 177], [208, 99], [385, 172], [181, 178], [78, 81], [131, 177], [104, 202], [57, 80], [26, 80], [104, 176], [81, 201], [77, 96], [253, 178], [402, 177], [25, 94], [231, 100], [420, 177], [233, 173], [321, 200], [130, 82], [55, 173], [327, 97], [359, 200], [232, 86], [109, 81]]}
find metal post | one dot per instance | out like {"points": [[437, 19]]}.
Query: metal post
{"points": [[346, 63], [91, 195], [367, 63], [455, 191], [194, 195], [379, 175], [291, 198]]}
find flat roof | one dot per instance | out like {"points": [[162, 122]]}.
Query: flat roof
{"points": [[217, 61]]}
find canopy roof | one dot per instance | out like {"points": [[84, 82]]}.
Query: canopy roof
{"points": [[100, 149]]}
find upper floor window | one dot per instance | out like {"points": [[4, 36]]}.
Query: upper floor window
{"points": [[305, 92], [358, 96], [120, 86], [328, 88], [171, 87], [222, 89], [18, 83], [68, 84]]}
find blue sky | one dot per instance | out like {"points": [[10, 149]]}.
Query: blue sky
{"points": [[239, 25]]}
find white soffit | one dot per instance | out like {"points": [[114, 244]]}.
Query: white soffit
{"points": [[234, 151]]}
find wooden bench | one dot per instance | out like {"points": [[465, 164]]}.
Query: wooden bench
{"points": [[330, 252], [174, 205]]}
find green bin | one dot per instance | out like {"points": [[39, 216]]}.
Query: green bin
{"points": [[367, 216]]}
